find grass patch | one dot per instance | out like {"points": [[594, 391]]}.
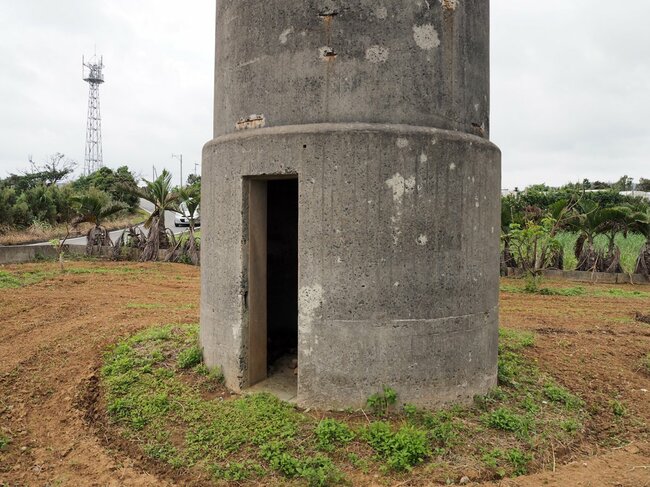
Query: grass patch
{"points": [[621, 293], [5, 441], [13, 280], [157, 396], [546, 291]]}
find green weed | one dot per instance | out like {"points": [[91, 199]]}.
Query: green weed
{"points": [[513, 369], [401, 450], [190, 357], [507, 420], [618, 409], [379, 403], [501, 462], [621, 293], [557, 393], [330, 433], [4, 441]]}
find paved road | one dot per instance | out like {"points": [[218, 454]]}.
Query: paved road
{"points": [[146, 206]]}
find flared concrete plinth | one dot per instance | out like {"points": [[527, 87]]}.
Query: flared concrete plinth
{"points": [[398, 240]]}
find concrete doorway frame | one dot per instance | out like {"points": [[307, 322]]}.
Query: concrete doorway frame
{"points": [[256, 228]]}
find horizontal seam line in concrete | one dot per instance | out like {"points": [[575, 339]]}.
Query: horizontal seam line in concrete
{"points": [[314, 128], [418, 320]]}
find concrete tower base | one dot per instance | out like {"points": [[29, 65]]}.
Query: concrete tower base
{"points": [[397, 282]]}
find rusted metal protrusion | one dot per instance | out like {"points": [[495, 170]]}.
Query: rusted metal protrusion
{"points": [[328, 14], [327, 53], [449, 4], [478, 129], [251, 122]]}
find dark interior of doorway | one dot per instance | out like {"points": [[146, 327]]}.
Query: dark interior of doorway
{"points": [[282, 275]]}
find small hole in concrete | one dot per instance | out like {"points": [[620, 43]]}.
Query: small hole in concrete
{"points": [[328, 13], [304, 146]]}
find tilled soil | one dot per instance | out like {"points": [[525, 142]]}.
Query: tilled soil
{"points": [[53, 335]]}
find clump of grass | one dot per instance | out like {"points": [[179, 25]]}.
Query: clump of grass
{"points": [[8, 280], [559, 394], [13, 280], [517, 461], [401, 449], [512, 367], [622, 293], [380, 402], [330, 433], [5, 441], [507, 420], [190, 357], [618, 409], [567, 291]]}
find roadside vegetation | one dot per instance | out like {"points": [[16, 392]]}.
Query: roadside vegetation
{"points": [[174, 410], [41, 204], [575, 228]]}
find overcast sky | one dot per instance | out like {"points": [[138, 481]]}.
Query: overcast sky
{"points": [[570, 89]]}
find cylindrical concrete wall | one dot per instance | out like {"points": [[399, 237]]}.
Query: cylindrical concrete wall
{"points": [[381, 110]]}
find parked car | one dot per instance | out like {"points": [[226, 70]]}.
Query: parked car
{"points": [[183, 219]]}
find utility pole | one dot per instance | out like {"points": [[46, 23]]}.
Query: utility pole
{"points": [[180, 158]]}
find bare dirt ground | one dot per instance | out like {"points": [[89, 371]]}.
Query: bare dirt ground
{"points": [[53, 335]]}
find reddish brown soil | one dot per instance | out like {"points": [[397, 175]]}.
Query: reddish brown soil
{"points": [[53, 335]]}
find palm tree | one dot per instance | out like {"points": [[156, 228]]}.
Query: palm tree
{"points": [[642, 225], [593, 220], [95, 207], [163, 197], [190, 198]]}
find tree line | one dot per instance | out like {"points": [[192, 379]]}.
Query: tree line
{"points": [[533, 222]]}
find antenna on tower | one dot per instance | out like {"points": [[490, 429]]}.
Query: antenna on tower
{"points": [[92, 72]]}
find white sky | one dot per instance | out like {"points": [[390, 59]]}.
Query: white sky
{"points": [[569, 84]]}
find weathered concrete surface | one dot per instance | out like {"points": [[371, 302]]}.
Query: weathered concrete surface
{"points": [[17, 254], [319, 61], [399, 193]]}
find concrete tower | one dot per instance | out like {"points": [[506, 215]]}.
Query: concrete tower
{"points": [[351, 200]]}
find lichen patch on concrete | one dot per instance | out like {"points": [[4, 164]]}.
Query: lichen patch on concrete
{"points": [[426, 36], [377, 54]]}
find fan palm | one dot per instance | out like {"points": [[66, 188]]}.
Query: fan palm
{"points": [[190, 198], [95, 207], [161, 194]]}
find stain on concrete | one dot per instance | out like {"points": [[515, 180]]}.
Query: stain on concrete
{"points": [[402, 143], [251, 122], [381, 13], [310, 301], [284, 37], [449, 4], [377, 54], [426, 36], [400, 186]]}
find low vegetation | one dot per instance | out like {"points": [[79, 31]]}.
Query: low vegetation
{"points": [[176, 411]]}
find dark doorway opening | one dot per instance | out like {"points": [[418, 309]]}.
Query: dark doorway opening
{"points": [[273, 285], [282, 269]]}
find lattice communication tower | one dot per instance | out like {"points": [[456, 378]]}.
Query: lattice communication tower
{"points": [[93, 74]]}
